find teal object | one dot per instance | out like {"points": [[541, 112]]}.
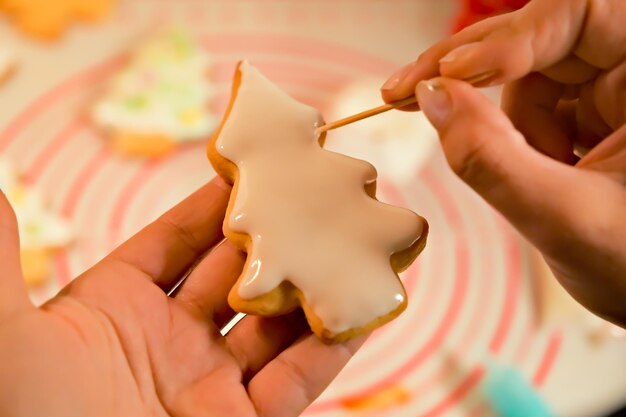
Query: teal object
{"points": [[511, 394]]}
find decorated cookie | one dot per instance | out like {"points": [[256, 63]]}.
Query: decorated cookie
{"points": [[48, 19], [160, 98], [315, 235], [397, 143], [41, 231]]}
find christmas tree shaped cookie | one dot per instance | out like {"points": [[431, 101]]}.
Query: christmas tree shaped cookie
{"points": [[160, 98], [308, 218]]}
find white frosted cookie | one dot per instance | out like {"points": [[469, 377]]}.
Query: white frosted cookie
{"points": [[315, 235], [41, 231], [160, 98]]}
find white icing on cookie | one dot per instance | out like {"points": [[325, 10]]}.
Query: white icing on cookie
{"points": [[307, 214], [38, 226], [164, 90]]}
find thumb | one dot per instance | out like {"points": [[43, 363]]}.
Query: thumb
{"points": [[574, 216], [532, 191], [13, 295]]}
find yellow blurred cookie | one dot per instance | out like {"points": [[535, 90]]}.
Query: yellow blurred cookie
{"points": [[35, 266], [42, 232], [47, 19]]}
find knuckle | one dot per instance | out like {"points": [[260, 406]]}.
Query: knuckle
{"points": [[470, 165], [185, 235], [298, 378], [471, 157]]}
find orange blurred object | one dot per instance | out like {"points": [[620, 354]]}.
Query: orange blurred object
{"points": [[383, 399], [48, 19]]}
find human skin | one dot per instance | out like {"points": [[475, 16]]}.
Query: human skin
{"points": [[112, 343], [563, 67]]}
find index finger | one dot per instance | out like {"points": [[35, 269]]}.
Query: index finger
{"points": [[166, 248], [402, 84], [296, 377], [583, 34]]}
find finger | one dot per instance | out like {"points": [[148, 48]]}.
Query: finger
{"points": [[559, 37], [601, 42], [559, 208], [487, 152], [554, 126], [566, 115], [13, 295], [609, 96], [530, 104], [206, 289], [167, 247], [591, 127], [292, 381], [537, 37], [255, 340], [571, 70], [609, 156], [402, 83]]}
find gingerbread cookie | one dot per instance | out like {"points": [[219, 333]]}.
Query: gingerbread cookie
{"points": [[48, 19], [315, 235], [160, 99], [42, 232]]}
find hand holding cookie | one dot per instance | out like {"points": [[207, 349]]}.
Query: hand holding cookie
{"points": [[113, 343]]}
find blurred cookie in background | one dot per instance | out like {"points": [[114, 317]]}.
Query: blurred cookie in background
{"points": [[42, 232], [48, 19], [8, 63], [160, 98]]}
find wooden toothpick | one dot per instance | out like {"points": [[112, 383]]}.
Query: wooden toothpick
{"points": [[386, 107], [365, 114]]}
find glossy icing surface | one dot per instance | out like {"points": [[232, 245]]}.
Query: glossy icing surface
{"points": [[305, 209]]}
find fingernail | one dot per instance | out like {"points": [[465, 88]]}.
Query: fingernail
{"points": [[459, 54], [397, 76], [461, 60], [435, 102]]}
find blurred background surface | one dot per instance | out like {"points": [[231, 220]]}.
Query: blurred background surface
{"points": [[480, 300]]}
